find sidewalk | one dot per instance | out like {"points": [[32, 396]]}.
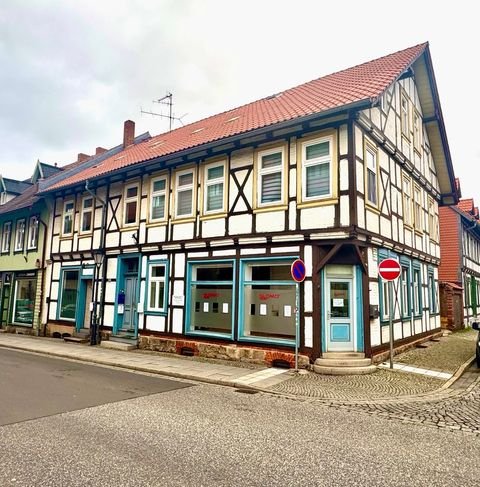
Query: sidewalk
{"points": [[433, 367]]}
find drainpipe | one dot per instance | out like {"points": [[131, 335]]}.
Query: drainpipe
{"points": [[95, 330]]}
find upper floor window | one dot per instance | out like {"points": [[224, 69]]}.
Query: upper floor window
{"points": [[432, 220], [33, 232], [405, 115], [214, 192], [316, 170], [20, 235], [87, 215], [371, 175], [270, 177], [130, 204], [417, 204], [417, 291], [158, 198], [185, 191], [417, 130], [407, 201], [156, 287], [6, 236], [68, 208]]}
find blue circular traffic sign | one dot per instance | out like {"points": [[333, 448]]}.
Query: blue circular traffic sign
{"points": [[297, 270]]}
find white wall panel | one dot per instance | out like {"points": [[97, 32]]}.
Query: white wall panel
{"points": [[177, 320], [344, 183], [213, 228], [239, 224], [180, 265], [372, 221], [108, 314], [112, 240], [183, 231], [308, 332], [157, 234], [155, 323], [308, 297], [270, 222], [318, 217], [343, 140], [344, 210]]}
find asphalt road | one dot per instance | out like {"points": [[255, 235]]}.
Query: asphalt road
{"points": [[32, 386], [214, 436]]}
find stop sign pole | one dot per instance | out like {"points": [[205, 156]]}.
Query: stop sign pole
{"points": [[390, 270]]}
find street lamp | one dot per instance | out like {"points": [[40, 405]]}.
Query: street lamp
{"points": [[98, 257]]}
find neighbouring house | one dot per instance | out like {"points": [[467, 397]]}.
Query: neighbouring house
{"points": [[459, 271], [11, 188], [188, 237]]}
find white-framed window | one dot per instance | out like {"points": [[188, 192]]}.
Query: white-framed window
{"points": [[130, 204], [417, 208], [6, 237], [214, 189], [270, 169], [157, 296], [385, 308], [68, 212], [33, 232], [405, 287], [417, 291], [407, 201], [405, 114], [432, 220], [158, 198], [371, 175], [316, 168], [86, 220], [20, 235], [417, 130], [184, 193]]}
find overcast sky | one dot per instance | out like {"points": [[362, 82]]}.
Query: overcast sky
{"points": [[72, 71]]}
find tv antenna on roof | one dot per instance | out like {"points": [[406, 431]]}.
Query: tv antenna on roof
{"points": [[165, 100]]}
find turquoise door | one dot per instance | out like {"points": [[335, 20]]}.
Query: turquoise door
{"points": [[130, 308], [339, 319]]}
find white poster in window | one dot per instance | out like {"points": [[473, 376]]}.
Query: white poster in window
{"points": [[205, 307], [225, 308], [338, 303], [287, 311], [263, 309]]}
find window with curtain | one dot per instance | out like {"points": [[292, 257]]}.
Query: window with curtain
{"points": [[130, 208], [316, 161], [67, 228], [6, 236], [214, 188], [158, 196], [371, 179], [20, 235], [87, 215], [270, 177], [32, 232], [184, 193]]}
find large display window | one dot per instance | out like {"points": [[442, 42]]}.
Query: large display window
{"points": [[69, 292], [24, 301]]}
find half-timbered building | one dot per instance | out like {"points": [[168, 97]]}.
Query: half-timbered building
{"points": [[460, 264], [195, 230]]}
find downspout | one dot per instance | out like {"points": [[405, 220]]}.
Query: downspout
{"points": [[102, 249]]}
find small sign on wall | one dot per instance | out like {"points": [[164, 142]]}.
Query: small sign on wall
{"points": [[178, 300]]}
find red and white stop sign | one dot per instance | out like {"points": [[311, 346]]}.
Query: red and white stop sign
{"points": [[389, 269]]}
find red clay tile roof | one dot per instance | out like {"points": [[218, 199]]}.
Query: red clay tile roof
{"points": [[361, 83], [466, 205]]}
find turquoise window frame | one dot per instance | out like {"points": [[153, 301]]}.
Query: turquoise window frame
{"points": [[406, 308], [151, 263], [188, 307], [416, 266], [60, 292], [384, 321], [243, 283], [432, 292]]}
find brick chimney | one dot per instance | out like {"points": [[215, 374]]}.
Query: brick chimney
{"points": [[82, 157], [128, 133], [100, 150]]}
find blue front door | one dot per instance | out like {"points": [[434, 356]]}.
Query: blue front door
{"points": [[339, 315]]}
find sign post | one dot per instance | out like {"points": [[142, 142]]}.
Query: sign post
{"points": [[298, 271], [390, 270]]}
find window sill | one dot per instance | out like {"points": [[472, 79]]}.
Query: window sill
{"points": [[312, 204], [159, 223], [372, 208], [213, 216], [188, 219], [129, 228], [209, 334], [266, 209], [271, 341], [155, 313]]}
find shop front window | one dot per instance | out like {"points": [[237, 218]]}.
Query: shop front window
{"points": [[24, 301], [68, 302], [268, 301], [210, 298]]}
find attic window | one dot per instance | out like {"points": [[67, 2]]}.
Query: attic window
{"points": [[232, 119], [198, 130]]}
